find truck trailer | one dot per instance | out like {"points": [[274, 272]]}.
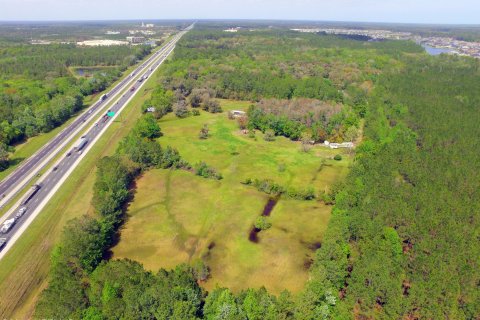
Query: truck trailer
{"points": [[33, 190], [81, 143], [7, 225]]}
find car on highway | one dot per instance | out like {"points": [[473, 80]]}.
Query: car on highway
{"points": [[21, 212], [69, 153], [7, 225], [3, 242], [132, 89]]}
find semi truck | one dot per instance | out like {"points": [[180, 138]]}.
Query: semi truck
{"points": [[33, 190], [81, 143], [7, 225]]}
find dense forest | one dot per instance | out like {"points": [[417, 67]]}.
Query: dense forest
{"points": [[404, 238], [403, 241], [38, 92], [324, 79]]}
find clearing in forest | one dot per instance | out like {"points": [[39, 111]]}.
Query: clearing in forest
{"points": [[178, 217]]}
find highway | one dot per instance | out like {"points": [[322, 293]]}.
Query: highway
{"points": [[52, 180], [29, 169]]}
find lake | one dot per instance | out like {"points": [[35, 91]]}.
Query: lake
{"points": [[436, 51]]}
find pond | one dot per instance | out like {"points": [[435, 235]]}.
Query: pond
{"points": [[436, 51]]}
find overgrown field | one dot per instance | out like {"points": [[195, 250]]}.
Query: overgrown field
{"points": [[177, 217]]}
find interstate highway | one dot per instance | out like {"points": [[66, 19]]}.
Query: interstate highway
{"points": [[53, 179], [22, 175]]}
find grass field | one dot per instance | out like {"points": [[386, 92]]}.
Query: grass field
{"points": [[24, 270], [178, 217]]}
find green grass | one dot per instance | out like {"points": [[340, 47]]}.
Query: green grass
{"points": [[176, 216], [24, 270]]}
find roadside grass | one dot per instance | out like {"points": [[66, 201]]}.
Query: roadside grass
{"points": [[24, 270], [177, 217]]}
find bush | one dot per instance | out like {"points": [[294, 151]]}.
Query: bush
{"points": [[212, 106], [262, 223], [305, 194], [204, 132], [203, 170], [195, 112], [269, 135], [200, 270], [337, 157]]}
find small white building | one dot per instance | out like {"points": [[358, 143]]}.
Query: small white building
{"points": [[151, 109], [134, 39], [338, 145]]}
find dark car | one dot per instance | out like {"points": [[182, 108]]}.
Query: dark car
{"points": [[3, 242]]}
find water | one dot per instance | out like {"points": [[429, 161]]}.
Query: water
{"points": [[436, 51]]}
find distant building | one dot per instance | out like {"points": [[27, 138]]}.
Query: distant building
{"points": [[151, 109], [136, 39], [232, 29]]}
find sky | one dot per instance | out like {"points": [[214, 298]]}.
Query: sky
{"points": [[406, 11]]}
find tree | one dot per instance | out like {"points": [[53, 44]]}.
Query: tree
{"points": [[195, 99], [147, 127], [181, 110], [212, 106], [83, 243], [4, 157], [221, 304]]}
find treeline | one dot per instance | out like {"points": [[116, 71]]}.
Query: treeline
{"points": [[85, 286], [403, 238], [279, 64], [37, 92], [314, 119], [53, 60]]}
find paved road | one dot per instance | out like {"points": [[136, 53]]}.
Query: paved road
{"points": [[53, 179], [20, 177]]}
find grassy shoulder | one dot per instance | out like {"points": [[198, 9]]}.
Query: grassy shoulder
{"points": [[24, 270], [178, 217]]}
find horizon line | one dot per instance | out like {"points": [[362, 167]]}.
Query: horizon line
{"points": [[238, 19]]}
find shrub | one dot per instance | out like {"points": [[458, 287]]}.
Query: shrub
{"points": [[203, 170], [200, 270], [305, 194], [195, 112], [269, 135], [204, 132], [337, 157], [262, 223]]}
